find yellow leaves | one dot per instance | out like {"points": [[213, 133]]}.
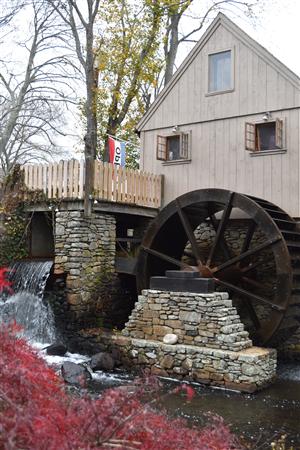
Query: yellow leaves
{"points": [[129, 60], [102, 65]]}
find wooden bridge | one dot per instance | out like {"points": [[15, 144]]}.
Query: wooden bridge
{"points": [[65, 181]]}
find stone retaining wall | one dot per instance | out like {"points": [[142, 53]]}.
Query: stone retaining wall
{"points": [[212, 346], [247, 370], [85, 252]]}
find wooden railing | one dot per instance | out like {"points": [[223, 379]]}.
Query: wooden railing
{"points": [[65, 180]]}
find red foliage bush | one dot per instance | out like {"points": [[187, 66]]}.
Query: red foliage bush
{"points": [[37, 413], [5, 284]]}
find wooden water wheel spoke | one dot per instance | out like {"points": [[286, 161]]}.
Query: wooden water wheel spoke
{"points": [[251, 266], [223, 243], [241, 257], [190, 220], [248, 237], [252, 314], [249, 294], [254, 283], [190, 233], [166, 258], [220, 230]]}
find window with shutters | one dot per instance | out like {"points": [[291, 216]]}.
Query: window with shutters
{"points": [[264, 136], [175, 147]]}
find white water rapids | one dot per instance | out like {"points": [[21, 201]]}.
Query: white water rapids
{"points": [[27, 308]]}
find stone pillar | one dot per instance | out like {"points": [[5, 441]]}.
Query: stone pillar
{"points": [[209, 320], [85, 252]]}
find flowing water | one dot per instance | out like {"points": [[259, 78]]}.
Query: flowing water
{"points": [[26, 306], [259, 417]]}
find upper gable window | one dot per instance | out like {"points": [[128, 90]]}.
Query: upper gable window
{"points": [[220, 72]]}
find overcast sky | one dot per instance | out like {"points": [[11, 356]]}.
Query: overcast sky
{"points": [[278, 29]]}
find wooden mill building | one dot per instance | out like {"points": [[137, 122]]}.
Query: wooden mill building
{"points": [[229, 118]]}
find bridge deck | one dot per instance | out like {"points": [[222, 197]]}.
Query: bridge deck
{"points": [[64, 181]]}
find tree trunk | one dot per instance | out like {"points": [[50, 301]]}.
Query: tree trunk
{"points": [[90, 149], [172, 47]]}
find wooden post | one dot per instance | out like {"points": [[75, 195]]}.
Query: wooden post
{"points": [[88, 186]]}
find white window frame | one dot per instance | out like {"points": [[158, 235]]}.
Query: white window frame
{"points": [[185, 147], [232, 73], [251, 136]]}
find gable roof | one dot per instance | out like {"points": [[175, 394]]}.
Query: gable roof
{"points": [[229, 25]]}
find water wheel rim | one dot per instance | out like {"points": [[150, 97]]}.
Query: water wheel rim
{"points": [[161, 237]]}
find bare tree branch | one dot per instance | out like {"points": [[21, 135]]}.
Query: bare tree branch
{"points": [[174, 15], [30, 95]]}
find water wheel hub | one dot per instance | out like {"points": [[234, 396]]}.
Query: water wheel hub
{"points": [[259, 267]]}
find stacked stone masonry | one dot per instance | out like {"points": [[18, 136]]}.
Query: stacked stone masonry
{"points": [[213, 347], [208, 320], [247, 370], [85, 251]]}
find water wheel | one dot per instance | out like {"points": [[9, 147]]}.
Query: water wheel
{"points": [[249, 246]]}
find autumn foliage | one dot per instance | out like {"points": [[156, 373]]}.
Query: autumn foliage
{"points": [[36, 412], [5, 284]]}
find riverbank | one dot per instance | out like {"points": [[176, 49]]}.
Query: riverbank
{"points": [[36, 411], [259, 418]]}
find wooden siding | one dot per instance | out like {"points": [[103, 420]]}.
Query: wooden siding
{"points": [[219, 159], [65, 180], [217, 122], [258, 87]]}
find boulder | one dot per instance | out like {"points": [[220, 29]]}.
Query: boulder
{"points": [[170, 338], [57, 349], [102, 361], [83, 346], [74, 373], [116, 354]]}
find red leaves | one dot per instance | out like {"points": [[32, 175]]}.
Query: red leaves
{"points": [[5, 284], [36, 412], [188, 390]]}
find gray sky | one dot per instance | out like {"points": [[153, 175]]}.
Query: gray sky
{"points": [[278, 29]]}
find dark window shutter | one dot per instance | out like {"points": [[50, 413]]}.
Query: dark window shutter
{"points": [[250, 137], [161, 148], [279, 133]]}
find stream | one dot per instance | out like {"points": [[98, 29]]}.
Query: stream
{"points": [[259, 417]]}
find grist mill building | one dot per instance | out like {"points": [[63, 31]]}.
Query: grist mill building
{"points": [[229, 118], [216, 197]]}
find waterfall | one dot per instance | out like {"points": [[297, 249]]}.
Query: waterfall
{"points": [[26, 305]]}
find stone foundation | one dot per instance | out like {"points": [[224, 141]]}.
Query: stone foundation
{"points": [[208, 320], [213, 347], [247, 370], [85, 252]]}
